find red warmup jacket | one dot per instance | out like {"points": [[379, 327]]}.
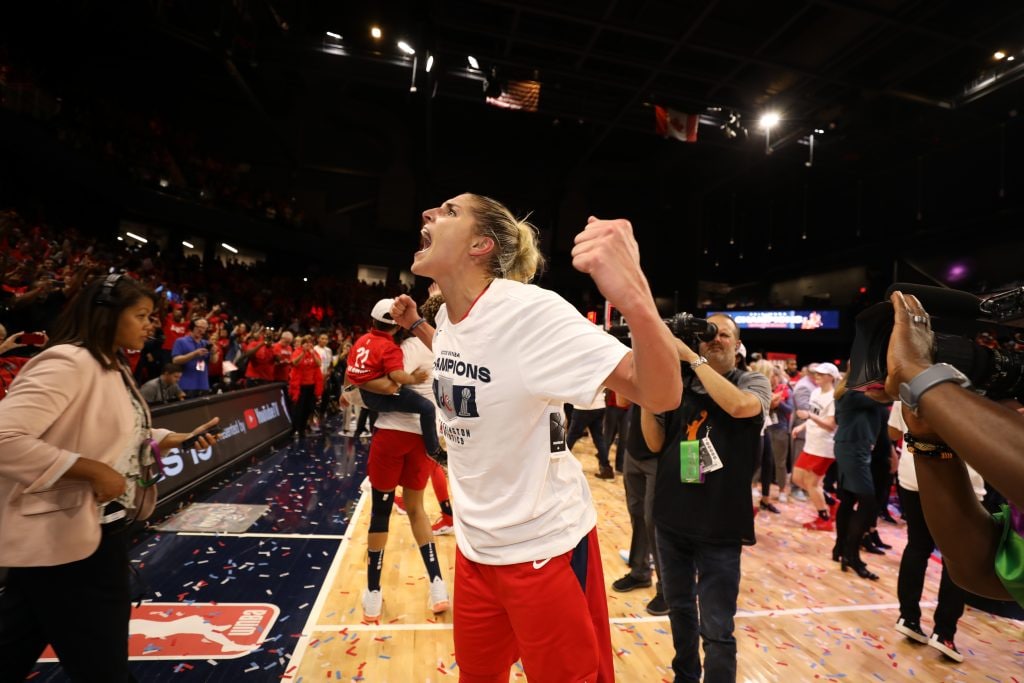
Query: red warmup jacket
{"points": [[306, 372]]}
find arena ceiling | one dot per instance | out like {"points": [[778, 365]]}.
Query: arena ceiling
{"points": [[914, 120]]}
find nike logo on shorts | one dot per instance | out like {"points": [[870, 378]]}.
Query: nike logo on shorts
{"points": [[538, 564]]}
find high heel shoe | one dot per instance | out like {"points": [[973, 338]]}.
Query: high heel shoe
{"points": [[868, 544], [877, 540], [861, 569]]}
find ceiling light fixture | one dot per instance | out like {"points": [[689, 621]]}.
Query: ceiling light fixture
{"points": [[473, 64], [185, 243], [406, 48], [332, 34], [999, 55], [137, 238], [375, 32], [430, 62], [229, 247], [769, 120]]}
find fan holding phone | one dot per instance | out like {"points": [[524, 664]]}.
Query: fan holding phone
{"points": [[79, 461]]}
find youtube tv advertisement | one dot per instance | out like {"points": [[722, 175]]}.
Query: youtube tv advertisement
{"points": [[250, 419]]}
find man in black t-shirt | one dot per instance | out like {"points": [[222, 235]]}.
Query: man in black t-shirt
{"points": [[702, 522]]}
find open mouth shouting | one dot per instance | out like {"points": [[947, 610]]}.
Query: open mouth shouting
{"points": [[425, 241]]}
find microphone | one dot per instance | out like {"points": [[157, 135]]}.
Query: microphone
{"points": [[939, 301]]}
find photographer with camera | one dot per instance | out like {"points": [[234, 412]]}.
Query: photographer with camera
{"points": [[708, 449], [948, 426]]}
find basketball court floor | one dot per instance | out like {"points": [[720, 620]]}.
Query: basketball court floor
{"points": [[281, 602]]}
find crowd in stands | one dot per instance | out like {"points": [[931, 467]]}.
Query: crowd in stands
{"points": [[43, 267]]}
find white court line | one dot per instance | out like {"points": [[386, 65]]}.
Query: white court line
{"points": [[295, 661], [633, 620], [256, 534]]}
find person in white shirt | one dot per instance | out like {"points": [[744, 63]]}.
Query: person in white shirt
{"points": [[398, 457], [507, 356], [818, 453], [323, 351]]}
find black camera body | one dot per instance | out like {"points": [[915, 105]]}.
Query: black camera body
{"points": [[966, 331], [691, 329]]}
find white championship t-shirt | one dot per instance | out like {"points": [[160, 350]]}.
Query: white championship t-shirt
{"points": [[907, 473], [501, 376], [819, 441], [416, 355]]}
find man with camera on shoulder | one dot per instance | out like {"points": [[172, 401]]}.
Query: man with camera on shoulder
{"points": [[949, 425], [703, 510]]}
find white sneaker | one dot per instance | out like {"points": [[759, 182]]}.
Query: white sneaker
{"points": [[783, 498], [946, 647], [373, 603], [799, 495], [438, 601]]}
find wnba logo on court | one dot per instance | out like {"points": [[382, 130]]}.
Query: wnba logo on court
{"points": [[174, 630]]}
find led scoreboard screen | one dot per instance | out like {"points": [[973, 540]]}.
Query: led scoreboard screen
{"points": [[783, 320]]}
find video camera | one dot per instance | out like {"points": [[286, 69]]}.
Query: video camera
{"points": [[966, 331], [685, 326]]}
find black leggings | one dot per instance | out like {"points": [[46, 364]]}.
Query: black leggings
{"points": [[81, 608], [304, 407], [767, 466], [851, 525]]}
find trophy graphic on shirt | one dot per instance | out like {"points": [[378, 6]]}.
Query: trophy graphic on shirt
{"points": [[464, 405]]}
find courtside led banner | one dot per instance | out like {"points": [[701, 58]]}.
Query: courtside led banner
{"points": [[783, 320], [250, 419]]}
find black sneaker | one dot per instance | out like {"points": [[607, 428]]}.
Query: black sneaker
{"points": [[878, 540], [628, 583], [658, 607], [911, 628], [945, 646]]}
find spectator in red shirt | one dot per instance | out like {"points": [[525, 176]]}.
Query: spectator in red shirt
{"points": [[175, 327], [260, 366], [376, 356], [283, 350], [306, 384]]}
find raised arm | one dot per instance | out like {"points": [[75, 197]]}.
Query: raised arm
{"points": [[649, 375]]}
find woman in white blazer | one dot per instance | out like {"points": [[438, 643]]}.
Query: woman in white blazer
{"points": [[78, 464]]}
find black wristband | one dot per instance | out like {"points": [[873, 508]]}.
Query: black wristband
{"points": [[940, 450], [417, 324]]}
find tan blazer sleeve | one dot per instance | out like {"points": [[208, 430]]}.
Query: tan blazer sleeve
{"points": [[41, 393]]}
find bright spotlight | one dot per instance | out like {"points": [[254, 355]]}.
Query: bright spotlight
{"points": [[473, 64], [769, 120], [406, 48], [430, 62], [332, 34], [137, 238], [999, 55], [375, 32], [229, 247], [185, 243]]}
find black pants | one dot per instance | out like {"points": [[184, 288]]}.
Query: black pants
{"points": [[593, 421], [304, 407], [913, 567], [81, 608], [616, 426], [882, 478], [851, 525], [767, 466]]}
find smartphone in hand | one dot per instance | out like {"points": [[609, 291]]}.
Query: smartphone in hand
{"points": [[191, 441], [32, 338]]}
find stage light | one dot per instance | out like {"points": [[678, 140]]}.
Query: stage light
{"points": [[332, 34], [305, 279], [473, 64], [375, 32], [137, 238], [229, 247], [406, 48], [1010, 58], [769, 120], [188, 244], [999, 55], [430, 62]]}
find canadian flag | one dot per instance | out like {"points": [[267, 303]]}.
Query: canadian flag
{"points": [[670, 123]]}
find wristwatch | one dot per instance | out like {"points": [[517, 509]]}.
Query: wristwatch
{"points": [[911, 392], [701, 360]]}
